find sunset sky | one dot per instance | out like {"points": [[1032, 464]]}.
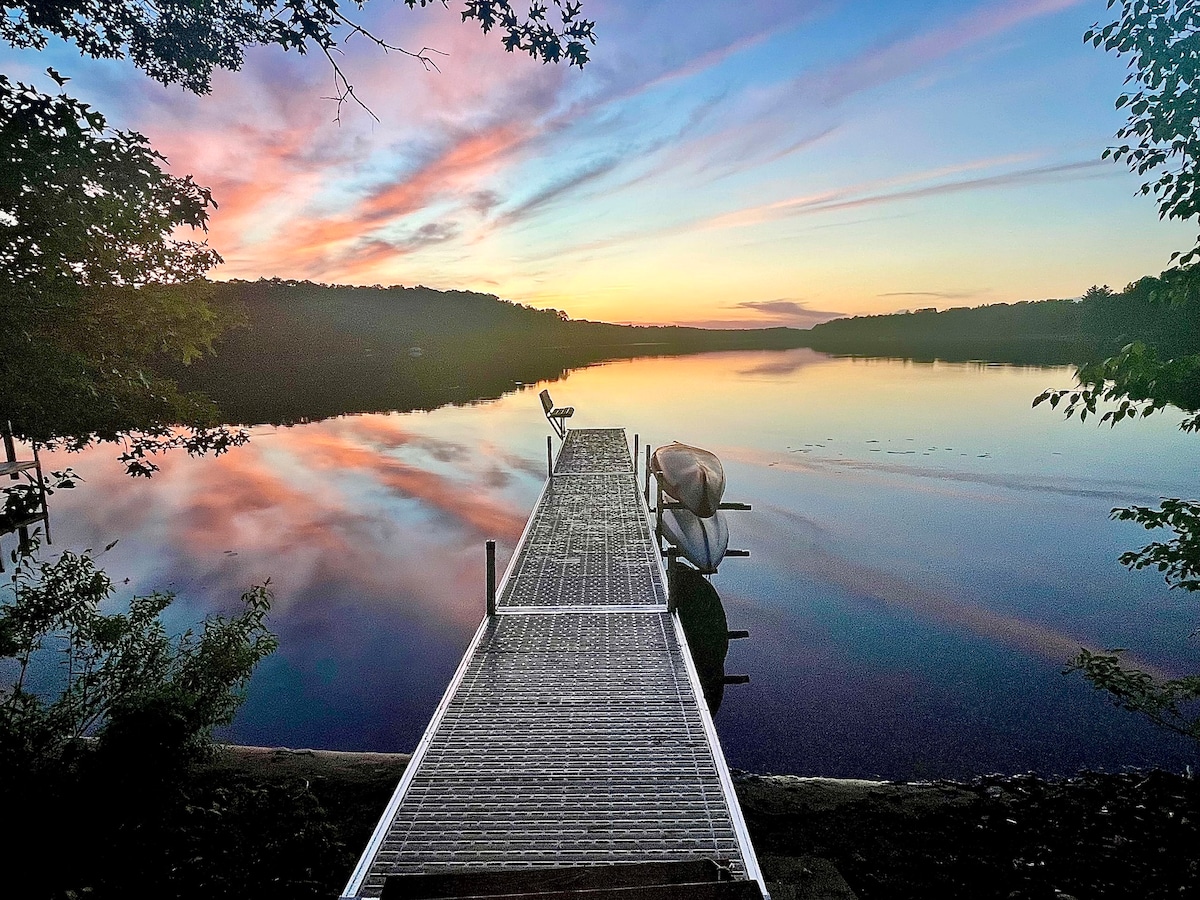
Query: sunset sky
{"points": [[759, 162]]}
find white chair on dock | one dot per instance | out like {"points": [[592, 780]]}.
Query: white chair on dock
{"points": [[557, 416]]}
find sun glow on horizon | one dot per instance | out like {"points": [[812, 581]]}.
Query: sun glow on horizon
{"points": [[781, 166]]}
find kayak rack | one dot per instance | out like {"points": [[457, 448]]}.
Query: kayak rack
{"points": [[572, 754], [662, 502]]}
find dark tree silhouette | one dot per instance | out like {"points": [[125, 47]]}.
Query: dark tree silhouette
{"points": [[1161, 41], [88, 216]]}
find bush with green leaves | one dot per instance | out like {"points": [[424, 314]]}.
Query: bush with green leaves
{"points": [[116, 676]]}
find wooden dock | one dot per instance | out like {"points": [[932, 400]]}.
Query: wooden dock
{"points": [[574, 734]]}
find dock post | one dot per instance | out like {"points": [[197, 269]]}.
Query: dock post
{"points": [[491, 578], [672, 578], [658, 502], [635, 456], [549, 457], [647, 474]]}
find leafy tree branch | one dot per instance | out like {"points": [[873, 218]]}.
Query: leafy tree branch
{"points": [[1170, 703], [1161, 42], [1177, 558], [1160, 39], [183, 41]]}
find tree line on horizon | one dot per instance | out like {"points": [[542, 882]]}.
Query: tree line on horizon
{"points": [[303, 351], [1101, 321], [307, 351]]}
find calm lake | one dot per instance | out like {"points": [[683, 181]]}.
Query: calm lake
{"points": [[927, 551]]}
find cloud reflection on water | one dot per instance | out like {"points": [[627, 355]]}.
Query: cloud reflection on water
{"points": [[921, 609], [1110, 492], [328, 503], [893, 590]]}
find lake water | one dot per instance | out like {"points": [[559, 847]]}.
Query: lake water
{"points": [[927, 551]]}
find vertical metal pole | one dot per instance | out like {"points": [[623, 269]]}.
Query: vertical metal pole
{"points": [[647, 474], [491, 578], [42, 490], [549, 457], [635, 455], [658, 519], [672, 577]]}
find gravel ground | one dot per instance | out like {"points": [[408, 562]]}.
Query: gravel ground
{"points": [[1127, 835]]}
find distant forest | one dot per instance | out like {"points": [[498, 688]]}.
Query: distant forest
{"points": [[1044, 332], [310, 351]]}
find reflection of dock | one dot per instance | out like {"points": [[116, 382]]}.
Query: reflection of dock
{"points": [[573, 735]]}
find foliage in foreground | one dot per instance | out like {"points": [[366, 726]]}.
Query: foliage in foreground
{"points": [[102, 715], [117, 677], [87, 252], [1161, 42], [1132, 385], [182, 41]]}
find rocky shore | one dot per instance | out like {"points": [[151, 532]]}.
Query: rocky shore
{"points": [[1119, 835]]}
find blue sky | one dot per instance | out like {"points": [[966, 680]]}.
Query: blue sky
{"points": [[749, 163]]}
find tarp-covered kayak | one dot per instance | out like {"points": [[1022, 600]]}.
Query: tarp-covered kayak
{"points": [[690, 475], [702, 541]]}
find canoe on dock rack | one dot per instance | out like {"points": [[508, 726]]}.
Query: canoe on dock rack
{"points": [[702, 542], [690, 475]]}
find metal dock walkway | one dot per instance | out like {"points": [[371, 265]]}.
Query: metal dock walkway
{"points": [[574, 733]]}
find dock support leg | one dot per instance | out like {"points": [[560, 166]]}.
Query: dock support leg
{"points": [[491, 578], [549, 456], [635, 456]]}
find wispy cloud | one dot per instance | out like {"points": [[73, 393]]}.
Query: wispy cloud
{"points": [[558, 189], [937, 295], [498, 167], [902, 56], [863, 195], [795, 313], [763, 122]]}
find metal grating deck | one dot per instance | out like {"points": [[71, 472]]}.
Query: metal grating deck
{"points": [[587, 544], [594, 450], [572, 733]]}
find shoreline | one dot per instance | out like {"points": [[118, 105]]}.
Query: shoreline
{"points": [[822, 791], [1129, 834]]}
